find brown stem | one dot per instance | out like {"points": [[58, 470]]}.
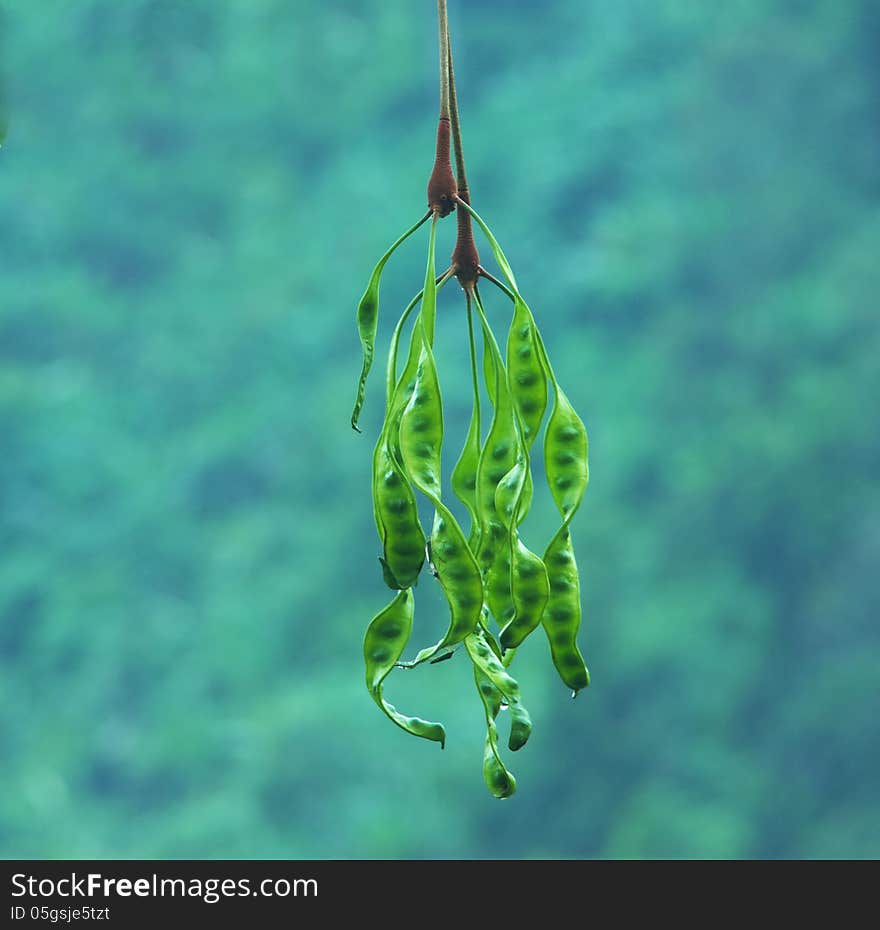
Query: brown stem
{"points": [[441, 185], [465, 257], [456, 125], [443, 34]]}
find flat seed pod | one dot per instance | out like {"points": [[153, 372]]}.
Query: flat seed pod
{"points": [[368, 318], [384, 642]]}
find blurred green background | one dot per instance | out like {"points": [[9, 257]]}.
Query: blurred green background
{"points": [[193, 195]]}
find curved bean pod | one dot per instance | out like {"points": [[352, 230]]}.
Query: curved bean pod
{"points": [[402, 510], [528, 379], [397, 519], [491, 669], [527, 587], [565, 456], [464, 474], [530, 590], [492, 703], [421, 428], [391, 369], [521, 724], [368, 317], [520, 727], [459, 577], [565, 461], [421, 439], [499, 781], [509, 492], [531, 404], [384, 642], [529, 584], [498, 456], [399, 390], [394, 503], [562, 616], [457, 570], [490, 693]]}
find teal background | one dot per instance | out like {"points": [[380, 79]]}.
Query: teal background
{"points": [[193, 195]]}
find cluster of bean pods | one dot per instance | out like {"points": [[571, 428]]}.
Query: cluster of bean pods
{"points": [[498, 590]]}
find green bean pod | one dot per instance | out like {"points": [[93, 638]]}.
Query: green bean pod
{"points": [[491, 694], [517, 579], [394, 501], [562, 616], [498, 456], [526, 374], [492, 703], [421, 428], [368, 318], [565, 458], [493, 670], [509, 492], [397, 519], [384, 642], [421, 437], [464, 473], [464, 476], [459, 577], [530, 591], [565, 463], [391, 381], [495, 556], [491, 666], [528, 383], [520, 727], [499, 781], [421, 440], [399, 390], [529, 585]]}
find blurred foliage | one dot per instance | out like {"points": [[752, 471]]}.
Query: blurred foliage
{"points": [[194, 194]]}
